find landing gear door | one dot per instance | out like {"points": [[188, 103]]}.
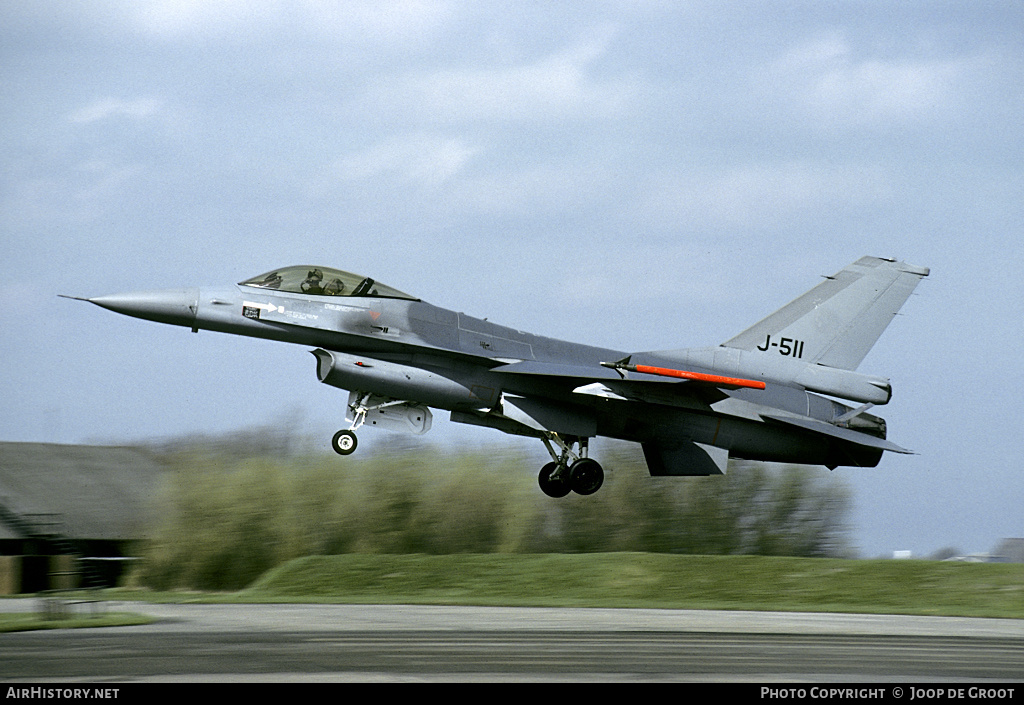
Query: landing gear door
{"points": [[398, 416]]}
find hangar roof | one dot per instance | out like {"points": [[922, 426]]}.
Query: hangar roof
{"points": [[100, 492]]}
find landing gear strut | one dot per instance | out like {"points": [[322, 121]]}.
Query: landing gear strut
{"points": [[344, 441], [569, 471], [554, 480], [383, 412]]}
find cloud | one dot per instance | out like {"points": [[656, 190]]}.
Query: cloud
{"points": [[360, 20], [424, 159], [83, 192], [826, 83], [764, 195], [172, 18], [105, 108], [562, 84], [418, 171]]}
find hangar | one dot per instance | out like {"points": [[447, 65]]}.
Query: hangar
{"points": [[73, 516], [1008, 551]]}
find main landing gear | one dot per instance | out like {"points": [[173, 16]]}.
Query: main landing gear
{"points": [[569, 471]]}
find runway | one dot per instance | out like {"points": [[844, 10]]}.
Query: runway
{"points": [[289, 643]]}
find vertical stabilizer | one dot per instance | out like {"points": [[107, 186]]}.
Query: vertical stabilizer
{"points": [[837, 322]]}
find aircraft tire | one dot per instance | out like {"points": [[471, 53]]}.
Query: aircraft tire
{"points": [[344, 442], [553, 487], [586, 476]]}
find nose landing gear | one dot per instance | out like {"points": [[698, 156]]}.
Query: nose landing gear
{"points": [[570, 472], [344, 441], [392, 414]]}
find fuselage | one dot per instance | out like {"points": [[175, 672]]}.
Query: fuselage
{"points": [[398, 346]]}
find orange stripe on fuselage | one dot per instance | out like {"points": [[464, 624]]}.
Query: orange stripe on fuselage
{"points": [[700, 377]]}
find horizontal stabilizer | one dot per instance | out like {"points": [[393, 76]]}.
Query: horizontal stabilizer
{"points": [[843, 434]]}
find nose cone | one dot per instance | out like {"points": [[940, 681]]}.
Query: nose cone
{"points": [[175, 306]]}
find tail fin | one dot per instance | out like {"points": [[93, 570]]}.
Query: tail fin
{"points": [[837, 322]]}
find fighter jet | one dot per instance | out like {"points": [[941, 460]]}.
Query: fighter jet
{"points": [[783, 390]]}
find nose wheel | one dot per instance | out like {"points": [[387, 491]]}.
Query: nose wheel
{"points": [[344, 442]]}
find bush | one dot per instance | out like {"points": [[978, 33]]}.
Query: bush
{"points": [[230, 520]]}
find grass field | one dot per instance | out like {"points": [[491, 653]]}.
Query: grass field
{"points": [[30, 621], [637, 580], [645, 580]]}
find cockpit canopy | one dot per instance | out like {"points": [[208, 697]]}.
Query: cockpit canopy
{"points": [[323, 281]]}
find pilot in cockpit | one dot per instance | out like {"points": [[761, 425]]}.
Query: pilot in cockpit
{"points": [[313, 282]]}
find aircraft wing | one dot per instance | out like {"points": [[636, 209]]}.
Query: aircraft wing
{"points": [[843, 434], [660, 386], [547, 369], [527, 411]]}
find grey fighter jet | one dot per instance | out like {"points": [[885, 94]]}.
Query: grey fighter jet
{"points": [[783, 390]]}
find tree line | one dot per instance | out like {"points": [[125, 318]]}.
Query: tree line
{"points": [[226, 520]]}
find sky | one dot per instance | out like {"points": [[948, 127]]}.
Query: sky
{"points": [[638, 175]]}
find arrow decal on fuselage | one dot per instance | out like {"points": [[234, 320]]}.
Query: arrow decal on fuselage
{"points": [[271, 308]]}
